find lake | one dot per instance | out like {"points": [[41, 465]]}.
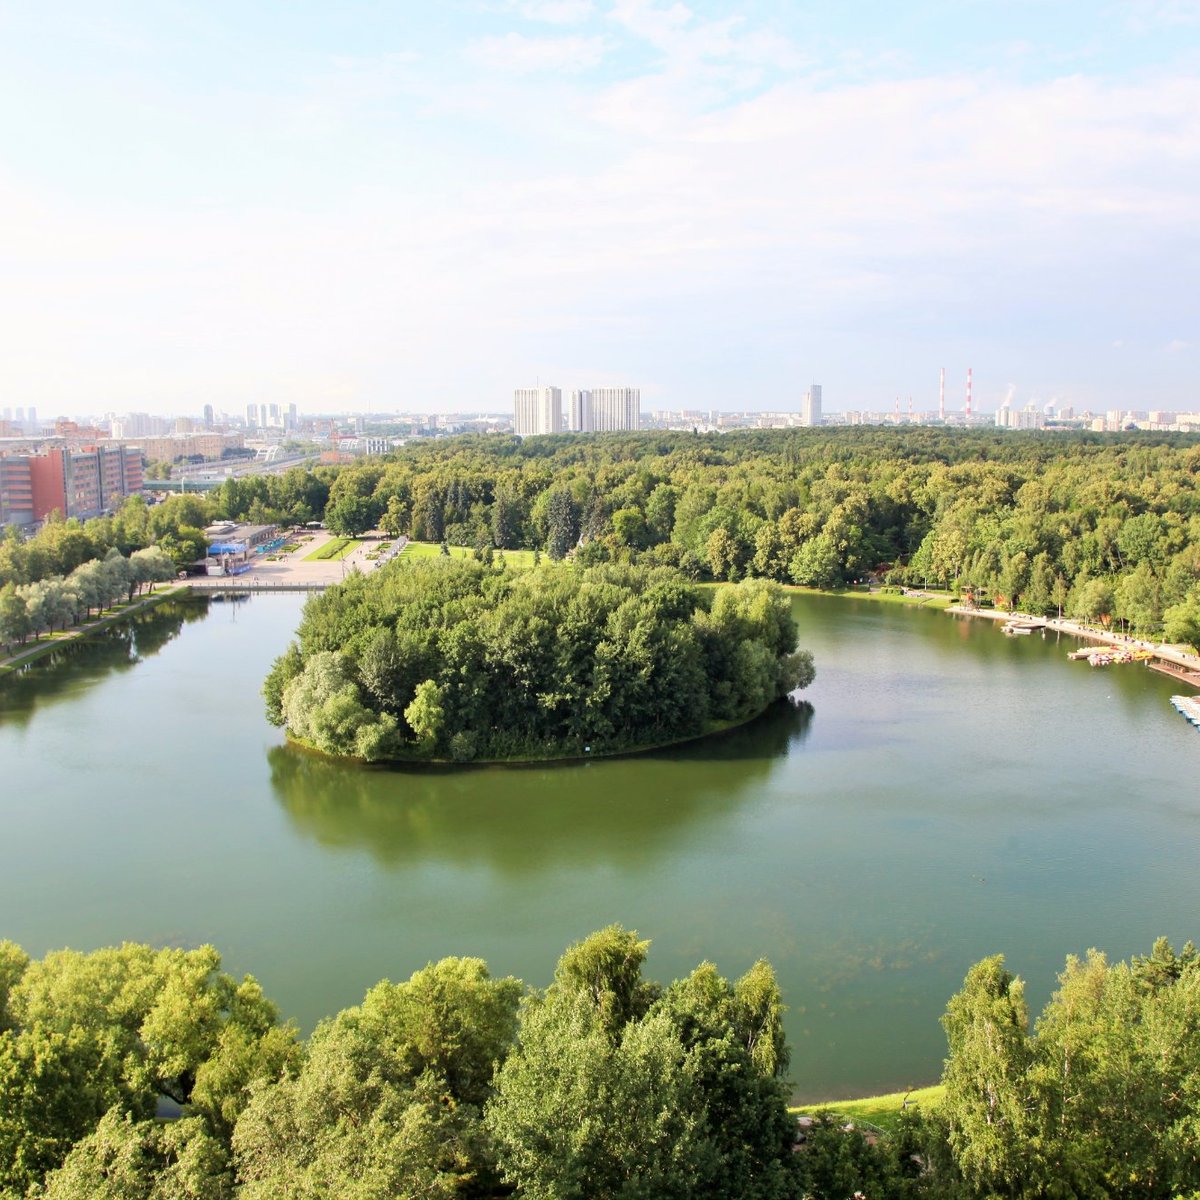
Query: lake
{"points": [[943, 794]]}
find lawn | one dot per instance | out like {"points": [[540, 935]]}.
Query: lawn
{"points": [[514, 558], [923, 600], [880, 1111], [333, 549]]}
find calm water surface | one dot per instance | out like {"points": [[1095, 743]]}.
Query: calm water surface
{"points": [[946, 793]]}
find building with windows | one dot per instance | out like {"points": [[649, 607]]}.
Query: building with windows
{"points": [[79, 483], [810, 406], [615, 408], [16, 491], [537, 410], [581, 412]]}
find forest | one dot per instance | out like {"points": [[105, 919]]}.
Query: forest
{"points": [[133, 1073], [455, 659], [1102, 527]]}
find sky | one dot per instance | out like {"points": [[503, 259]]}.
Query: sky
{"points": [[374, 205]]}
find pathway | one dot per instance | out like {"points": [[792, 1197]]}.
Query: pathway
{"points": [[32, 650], [1177, 655]]}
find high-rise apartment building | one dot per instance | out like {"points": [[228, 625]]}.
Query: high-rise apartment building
{"points": [[810, 407], [581, 412], [538, 410], [616, 408]]}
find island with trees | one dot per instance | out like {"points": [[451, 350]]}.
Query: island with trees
{"points": [[451, 659]]}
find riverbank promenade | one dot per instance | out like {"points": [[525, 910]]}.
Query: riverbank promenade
{"points": [[294, 572], [1186, 664]]}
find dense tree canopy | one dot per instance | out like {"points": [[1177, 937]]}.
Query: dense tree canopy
{"points": [[1105, 527], [458, 1084], [453, 659]]}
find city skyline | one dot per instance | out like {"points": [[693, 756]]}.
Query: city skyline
{"points": [[360, 209]]}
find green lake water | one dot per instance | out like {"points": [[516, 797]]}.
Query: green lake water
{"points": [[943, 794]]}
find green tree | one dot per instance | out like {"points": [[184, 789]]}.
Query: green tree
{"points": [[988, 1095], [620, 1089], [385, 1104], [124, 1159], [351, 515], [425, 715], [1182, 621], [562, 523]]}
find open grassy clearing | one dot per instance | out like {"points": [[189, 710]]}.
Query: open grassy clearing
{"points": [[881, 1111], [514, 558]]}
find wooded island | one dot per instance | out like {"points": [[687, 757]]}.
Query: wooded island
{"points": [[448, 659]]}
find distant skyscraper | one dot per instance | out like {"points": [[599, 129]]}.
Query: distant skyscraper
{"points": [[208, 416], [538, 410], [616, 408], [31, 423], [251, 414], [262, 416], [581, 412], [810, 408]]}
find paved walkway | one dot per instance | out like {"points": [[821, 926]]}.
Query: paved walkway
{"points": [[31, 650], [1179, 655], [293, 571]]}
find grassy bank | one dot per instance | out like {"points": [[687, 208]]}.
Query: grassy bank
{"points": [[52, 641], [881, 1111], [937, 600]]}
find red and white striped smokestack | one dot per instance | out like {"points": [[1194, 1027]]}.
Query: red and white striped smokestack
{"points": [[968, 395], [910, 408], [897, 410], [942, 397]]}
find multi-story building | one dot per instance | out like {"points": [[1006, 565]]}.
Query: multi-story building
{"points": [[187, 445], [16, 490], [810, 407], [581, 412], [77, 483], [616, 408], [538, 410]]}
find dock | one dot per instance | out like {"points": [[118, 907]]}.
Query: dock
{"points": [[1189, 707], [1175, 671]]}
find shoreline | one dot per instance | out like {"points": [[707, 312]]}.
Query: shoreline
{"points": [[443, 764], [16, 662], [1162, 651]]}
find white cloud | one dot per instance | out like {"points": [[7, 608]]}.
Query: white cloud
{"points": [[721, 204], [527, 55], [681, 37], [554, 12], [1145, 15]]}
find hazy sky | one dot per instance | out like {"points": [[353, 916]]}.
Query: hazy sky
{"points": [[425, 205]]}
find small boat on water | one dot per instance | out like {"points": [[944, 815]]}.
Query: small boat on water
{"points": [[1189, 707], [1012, 627]]}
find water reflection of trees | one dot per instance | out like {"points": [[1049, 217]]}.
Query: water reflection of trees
{"points": [[84, 662], [524, 820]]}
